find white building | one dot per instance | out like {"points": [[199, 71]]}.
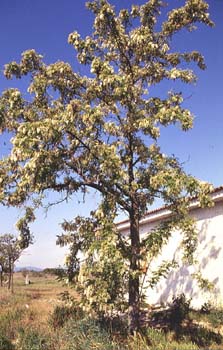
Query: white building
{"points": [[209, 222]]}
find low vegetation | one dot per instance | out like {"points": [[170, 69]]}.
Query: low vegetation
{"points": [[40, 316]]}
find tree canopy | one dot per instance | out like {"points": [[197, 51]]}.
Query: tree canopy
{"points": [[102, 130]]}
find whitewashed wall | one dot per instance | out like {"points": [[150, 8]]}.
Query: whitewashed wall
{"points": [[209, 223]]}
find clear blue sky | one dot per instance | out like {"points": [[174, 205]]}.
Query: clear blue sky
{"points": [[44, 25]]}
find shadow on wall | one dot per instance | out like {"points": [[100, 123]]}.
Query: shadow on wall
{"points": [[180, 280]]}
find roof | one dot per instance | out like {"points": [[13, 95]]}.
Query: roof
{"points": [[162, 212]]}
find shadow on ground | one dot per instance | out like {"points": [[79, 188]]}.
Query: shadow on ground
{"points": [[183, 328]]}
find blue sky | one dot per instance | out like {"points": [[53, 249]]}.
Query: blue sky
{"points": [[44, 25]]}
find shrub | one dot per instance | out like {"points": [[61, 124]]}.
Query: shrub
{"points": [[62, 314], [179, 311], [206, 308]]}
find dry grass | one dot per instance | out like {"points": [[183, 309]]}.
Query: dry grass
{"points": [[29, 306], [24, 316]]}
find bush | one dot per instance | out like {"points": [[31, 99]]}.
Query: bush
{"points": [[5, 344], [206, 308], [179, 311], [62, 314]]}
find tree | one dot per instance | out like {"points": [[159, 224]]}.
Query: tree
{"points": [[2, 266], [101, 131], [10, 252]]}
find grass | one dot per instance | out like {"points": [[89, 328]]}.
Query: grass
{"points": [[35, 318], [29, 307], [40, 297], [212, 317]]}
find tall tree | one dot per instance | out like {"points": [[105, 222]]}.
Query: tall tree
{"points": [[101, 131]]}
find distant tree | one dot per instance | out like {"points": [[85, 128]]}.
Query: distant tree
{"points": [[2, 266], [57, 271], [10, 252], [101, 132], [3, 260]]}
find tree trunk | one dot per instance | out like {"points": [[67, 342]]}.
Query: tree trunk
{"points": [[1, 278], [10, 275], [9, 281], [134, 302]]}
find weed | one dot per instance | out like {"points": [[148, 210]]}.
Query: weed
{"points": [[202, 336], [5, 344], [157, 340], [215, 317], [114, 325], [30, 339], [86, 335], [9, 322]]}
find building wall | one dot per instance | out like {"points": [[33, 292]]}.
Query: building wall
{"points": [[209, 223]]}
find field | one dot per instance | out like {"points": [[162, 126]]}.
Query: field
{"points": [[39, 297], [30, 307], [36, 318]]}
